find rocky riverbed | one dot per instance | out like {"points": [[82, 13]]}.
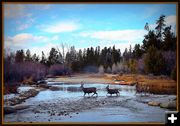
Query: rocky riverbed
{"points": [[65, 103]]}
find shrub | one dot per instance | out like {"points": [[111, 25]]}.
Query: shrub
{"points": [[140, 65], [101, 69], [17, 72], [114, 68], [90, 69], [56, 70], [174, 74], [108, 70]]}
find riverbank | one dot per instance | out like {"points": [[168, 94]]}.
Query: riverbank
{"points": [[156, 84], [86, 78]]}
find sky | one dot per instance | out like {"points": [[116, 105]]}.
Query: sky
{"points": [[39, 27]]}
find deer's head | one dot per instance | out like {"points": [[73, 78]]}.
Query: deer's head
{"points": [[82, 84], [107, 87]]}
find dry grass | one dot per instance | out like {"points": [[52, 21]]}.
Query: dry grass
{"points": [[10, 89], [28, 81], [157, 84]]}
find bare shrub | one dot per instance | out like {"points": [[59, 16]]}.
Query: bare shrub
{"points": [[56, 69], [108, 70], [114, 68], [17, 72], [101, 69]]}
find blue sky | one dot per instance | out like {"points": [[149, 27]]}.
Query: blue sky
{"points": [[39, 27]]}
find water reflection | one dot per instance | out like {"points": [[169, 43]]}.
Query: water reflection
{"points": [[74, 89], [74, 92], [101, 88]]}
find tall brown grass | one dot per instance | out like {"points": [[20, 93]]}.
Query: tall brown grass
{"points": [[156, 84]]}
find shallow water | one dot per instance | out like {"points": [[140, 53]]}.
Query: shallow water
{"points": [[73, 91], [69, 97]]}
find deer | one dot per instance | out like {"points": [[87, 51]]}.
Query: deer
{"points": [[112, 91], [88, 90], [142, 89], [139, 90]]}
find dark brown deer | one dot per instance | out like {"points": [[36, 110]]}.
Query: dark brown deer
{"points": [[139, 90], [112, 91], [88, 90], [142, 89]]}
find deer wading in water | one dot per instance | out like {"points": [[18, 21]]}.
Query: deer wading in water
{"points": [[142, 89], [112, 91], [88, 90]]}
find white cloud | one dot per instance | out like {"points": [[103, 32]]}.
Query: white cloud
{"points": [[61, 27], [24, 39], [121, 35], [56, 37], [120, 45], [45, 48], [36, 44], [170, 20]]}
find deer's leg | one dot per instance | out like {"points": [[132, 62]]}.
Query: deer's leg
{"points": [[136, 92], [95, 93], [144, 92], [84, 93]]}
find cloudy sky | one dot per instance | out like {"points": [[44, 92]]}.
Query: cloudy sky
{"points": [[39, 27]]}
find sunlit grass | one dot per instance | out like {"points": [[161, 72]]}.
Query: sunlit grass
{"points": [[156, 84]]}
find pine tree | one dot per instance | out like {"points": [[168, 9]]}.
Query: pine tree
{"points": [[154, 61], [150, 40], [137, 52], [169, 42], [35, 58], [146, 27], [54, 57], [28, 56], [43, 58], [19, 57], [160, 26]]}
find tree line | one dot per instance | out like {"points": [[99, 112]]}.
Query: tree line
{"points": [[156, 55]]}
